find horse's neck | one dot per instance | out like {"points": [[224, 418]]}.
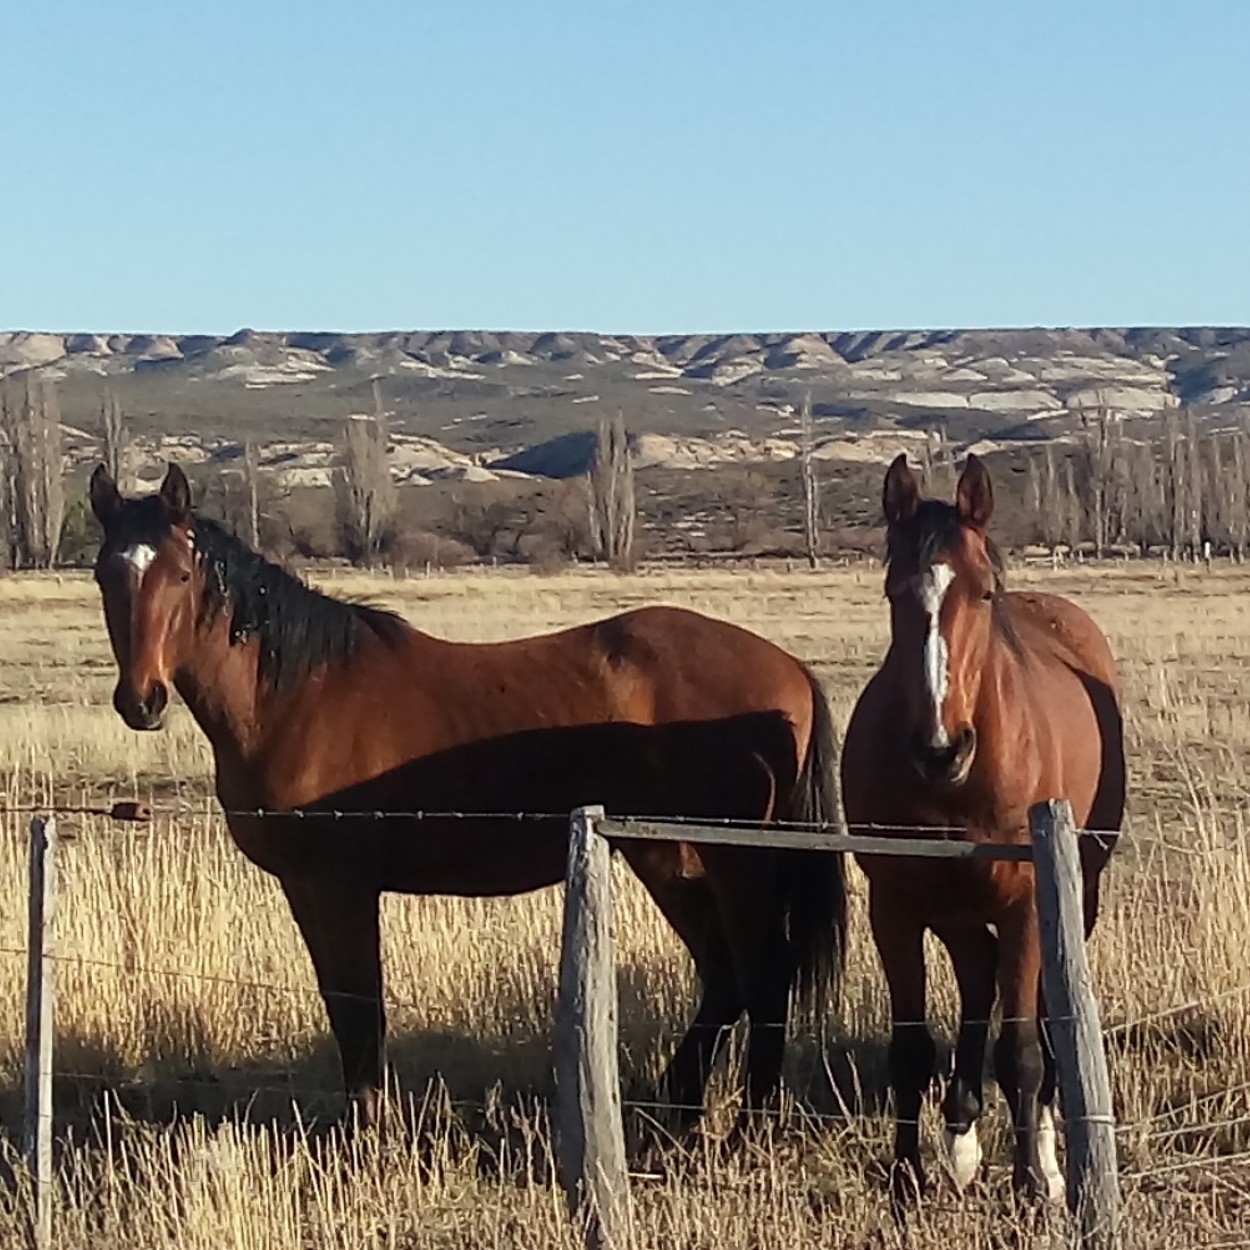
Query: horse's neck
{"points": [[218, 682], [1005, 715]]}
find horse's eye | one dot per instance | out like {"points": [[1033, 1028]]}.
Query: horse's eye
{"points": [[184, 577]]}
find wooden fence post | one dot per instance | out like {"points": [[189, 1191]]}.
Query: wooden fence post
{"points": [[1074, 1028], [590, 1134], [38, 1136]]}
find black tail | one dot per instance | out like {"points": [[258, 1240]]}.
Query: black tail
{"points": [[814, 882]]}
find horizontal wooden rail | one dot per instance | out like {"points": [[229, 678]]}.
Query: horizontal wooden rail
{"points": [[806, 840]]}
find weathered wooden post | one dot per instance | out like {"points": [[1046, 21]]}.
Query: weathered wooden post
{"points": [[590, 1133], [37, 1145], [1075, 1029]]}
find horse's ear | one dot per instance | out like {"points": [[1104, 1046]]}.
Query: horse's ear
{"points": [[176, 494], [974, 498], [901, 495], [106, 499]]}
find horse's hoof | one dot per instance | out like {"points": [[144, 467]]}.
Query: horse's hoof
{"points": [[1039, 1187]]}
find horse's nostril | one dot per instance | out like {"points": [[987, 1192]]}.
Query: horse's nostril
{"points": [[157, 700], [948, 763], [141, 711]]}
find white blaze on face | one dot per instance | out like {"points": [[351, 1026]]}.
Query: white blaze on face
{"points": [[139, 556], [932, 588]]}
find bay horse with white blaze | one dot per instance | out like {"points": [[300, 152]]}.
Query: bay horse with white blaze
{"points": [[312, 704], [986, 703]]}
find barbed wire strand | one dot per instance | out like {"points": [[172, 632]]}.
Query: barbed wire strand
{"points": [[137, 971], [145, 812], [1182, 1165], [1211, 1126], [310, 991], [1197, 1102]]}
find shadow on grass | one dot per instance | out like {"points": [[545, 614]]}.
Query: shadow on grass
{"points": [[489, 1099]]}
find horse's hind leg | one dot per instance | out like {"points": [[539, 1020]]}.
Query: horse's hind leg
{"points": [[899, 937], [687, 904], [973, 950], [340, 925], [751, 918]]}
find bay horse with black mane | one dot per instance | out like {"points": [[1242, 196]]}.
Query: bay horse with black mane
{"points": [[312, 704], [986, 703]]}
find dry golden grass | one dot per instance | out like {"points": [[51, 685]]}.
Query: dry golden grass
{"points": [[188, 1026]]}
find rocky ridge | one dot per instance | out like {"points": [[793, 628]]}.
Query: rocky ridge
{"points": [[476, 404]]}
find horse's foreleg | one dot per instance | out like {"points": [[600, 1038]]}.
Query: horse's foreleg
{"points": [[1019, 1057], [974, 954], [339, 923], [899, 936]]}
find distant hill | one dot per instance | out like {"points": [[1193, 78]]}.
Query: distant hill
{"points": [[478, 403]]}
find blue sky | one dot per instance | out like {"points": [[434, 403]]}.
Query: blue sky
{"points": [[642, 167]]}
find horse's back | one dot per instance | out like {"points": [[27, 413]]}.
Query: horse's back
{"points": [[686, 650], [1067, 638], [1058, 627], [653, 711]]}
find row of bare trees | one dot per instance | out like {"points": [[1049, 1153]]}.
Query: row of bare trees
{"points": [[1177, 494], [32, 493], [1184, 493]]}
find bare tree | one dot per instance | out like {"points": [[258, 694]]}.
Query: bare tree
{"points": [[811, 488], [1096, 472], [8, 483], [365, 493], [1193, 488], [613, 503], [1153, 477], [251, 495], [1215, 494], [1119, 485], [1176, 481], [488, 526], [942, 476], [748, 496], [1050, 503], [1033, 498], [1237, 485], [1070, 512], [33, 491], [116, 440]]}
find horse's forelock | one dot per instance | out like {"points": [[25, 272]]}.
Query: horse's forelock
{"points": [[936, 531]]}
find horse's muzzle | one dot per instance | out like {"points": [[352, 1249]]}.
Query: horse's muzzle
{"points": [[946, 766], [142, 711]]}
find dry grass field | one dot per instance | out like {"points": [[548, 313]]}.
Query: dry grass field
{"points": [[196, 1069]]}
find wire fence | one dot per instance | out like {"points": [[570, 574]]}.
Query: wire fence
{"points": [[1167, 1130], [135, 812], [1140, 1130]]}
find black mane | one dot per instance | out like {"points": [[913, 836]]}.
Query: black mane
{"points": [[298, 628]]}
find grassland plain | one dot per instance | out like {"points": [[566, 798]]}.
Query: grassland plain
{"points": [[195, 1068]]}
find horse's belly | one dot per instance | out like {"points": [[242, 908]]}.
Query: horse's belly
{"points": [[478, 858], [478, 862]]}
